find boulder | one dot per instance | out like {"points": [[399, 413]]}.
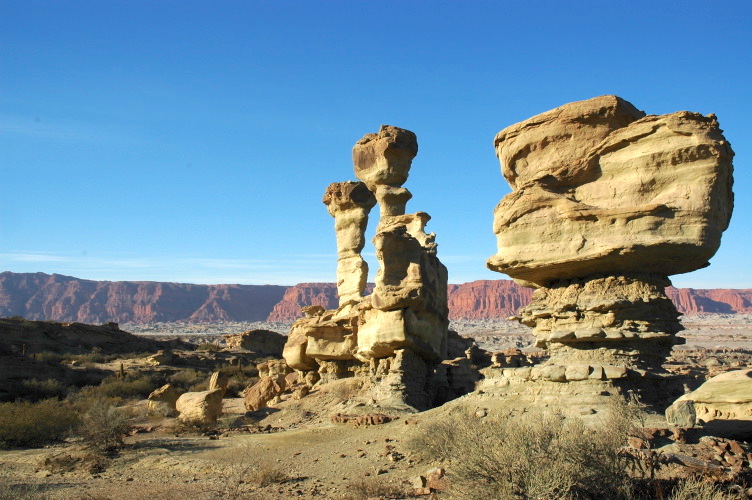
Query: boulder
{"points": [[727, 396], [162, 401], [200, 407], [263, 342], [266, 389], [681, 414], [597, 189]]}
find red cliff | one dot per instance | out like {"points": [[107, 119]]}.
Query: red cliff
{"points": [[42, 296]]}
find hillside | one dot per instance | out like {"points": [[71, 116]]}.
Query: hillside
{"points": [[40, 296]]}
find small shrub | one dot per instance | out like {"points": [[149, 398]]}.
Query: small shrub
{"points": [[538, 457], [185, 379], [267, 475], [44, 389], [35, 424], [10, 489], [696, 489], [103, 425], [208, 347], [114, 387]]}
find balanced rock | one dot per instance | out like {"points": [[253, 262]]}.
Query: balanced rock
{"points": [[395, 337], [606, 204], [200, 407], [600, 189]]}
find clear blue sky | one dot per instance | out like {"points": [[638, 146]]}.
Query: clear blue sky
{"points": [[192, 141]]}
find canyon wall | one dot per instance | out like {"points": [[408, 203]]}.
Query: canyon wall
{"points": [[42, 296]]}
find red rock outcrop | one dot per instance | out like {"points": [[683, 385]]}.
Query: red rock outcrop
{"points": [[716, 300], [487, 299], [42, 296], [63, 298], [301, 295]]}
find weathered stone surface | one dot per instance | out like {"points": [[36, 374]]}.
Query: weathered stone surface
{"points": [[264, 342], [398, 334], [727, 396], [219, 380], [606, 204], [349, 203], [162, 401], [653, 195], [630, 313], [682, 414], [266, 389], [200, 407], [384, 158]]}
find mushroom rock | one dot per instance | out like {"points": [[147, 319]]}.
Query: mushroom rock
{"points": [[606, 204], [382, 161]]}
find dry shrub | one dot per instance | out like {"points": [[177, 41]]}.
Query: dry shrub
{"points": [[35, 424], [697, 489], [103, 425], [11, 489], [266, 475], [538, 456]]}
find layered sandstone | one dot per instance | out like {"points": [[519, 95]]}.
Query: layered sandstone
{"points": [[606, 204], [627, 194], [396, 336]]}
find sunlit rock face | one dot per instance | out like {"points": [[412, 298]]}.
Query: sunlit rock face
{"points": [[600, 188], [396, 337], [606, 204]]}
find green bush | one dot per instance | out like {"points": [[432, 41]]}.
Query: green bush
{"points": [[208, 347], [44, 389], [136, 387], [36, 424]]}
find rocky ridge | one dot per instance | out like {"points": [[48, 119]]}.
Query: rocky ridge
{"points": [[41, 296]]}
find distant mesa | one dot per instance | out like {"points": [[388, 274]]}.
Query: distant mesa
{"points": [[40, 296]]}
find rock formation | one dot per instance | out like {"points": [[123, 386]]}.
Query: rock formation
{"points": [[39, 296], [263, 342], [723, 404], [162, 401], [202, 407], [606, 204], [396, 336]]}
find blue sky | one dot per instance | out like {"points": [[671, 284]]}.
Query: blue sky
{"points": [[192, 141]]}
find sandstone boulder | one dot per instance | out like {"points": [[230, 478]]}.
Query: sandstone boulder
{"points": [[266, 389], [200, 407], [606, 195], [162, 401], [727, 396]]}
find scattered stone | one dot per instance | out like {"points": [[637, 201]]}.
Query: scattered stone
{"points": [[200, 407]]}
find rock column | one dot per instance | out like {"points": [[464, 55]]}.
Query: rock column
{"points": [[349, 203]]}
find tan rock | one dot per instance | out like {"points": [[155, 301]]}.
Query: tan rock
{"points": [[219, 380], [599, 198], [263, 342], [727, 396], [349, 203], [294, 352], [265, 390], [200, 407], [162, 401]]}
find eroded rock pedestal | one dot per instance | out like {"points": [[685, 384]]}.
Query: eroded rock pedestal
{"points": [[395, 338], [606, 204]]}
